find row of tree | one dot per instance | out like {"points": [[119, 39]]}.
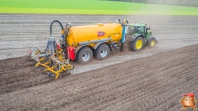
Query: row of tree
{"points": [[168, 2]]}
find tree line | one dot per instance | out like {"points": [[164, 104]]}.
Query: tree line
{"points": [[193, 3]]}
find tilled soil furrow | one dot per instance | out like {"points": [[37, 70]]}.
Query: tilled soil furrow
{"points": [[147, 84], [93, 86], [24, 82], [140, 95], [67, 107], [195, 68], [152, 98], [102, 90], [172, 104], [178, 90], [178, 97], [22, 79], [13, 69]]}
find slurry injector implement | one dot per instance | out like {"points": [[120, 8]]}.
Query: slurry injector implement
{"points": [[53, 59]]}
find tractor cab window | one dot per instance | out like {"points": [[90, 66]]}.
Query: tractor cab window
{"points": [[131, 29], [140, 29], [137, 29]]}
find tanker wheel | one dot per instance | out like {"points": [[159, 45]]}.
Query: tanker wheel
{"points": [[152, 43], [137, 44], [102, 52], [85, 55]]}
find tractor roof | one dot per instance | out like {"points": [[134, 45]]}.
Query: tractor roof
{"points": [[137, 24]]}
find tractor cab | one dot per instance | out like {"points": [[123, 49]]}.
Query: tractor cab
{"points": [[139, 29]]}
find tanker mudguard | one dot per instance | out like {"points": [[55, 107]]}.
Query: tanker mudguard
{"points": [[97, 44], [71, 53], [78, 48]]}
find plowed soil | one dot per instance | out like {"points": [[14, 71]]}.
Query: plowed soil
{"points": [[152, 79], [154, 83]]}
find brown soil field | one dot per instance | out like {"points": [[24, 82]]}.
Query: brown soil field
{"points": [[154, 83], [18, 33], [152, 79]]}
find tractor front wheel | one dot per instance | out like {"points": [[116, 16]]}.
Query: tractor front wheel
{"points": [[137, 44], [152, 43]]}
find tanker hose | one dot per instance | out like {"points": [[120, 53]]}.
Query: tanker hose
{"points": [[52, 24]]}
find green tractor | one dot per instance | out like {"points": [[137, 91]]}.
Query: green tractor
{"points": [[140, 35]]}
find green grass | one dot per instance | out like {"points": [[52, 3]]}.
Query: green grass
{"points": [[91, 7]]}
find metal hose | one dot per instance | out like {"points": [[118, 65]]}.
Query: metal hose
{"points": [[52, 24]]}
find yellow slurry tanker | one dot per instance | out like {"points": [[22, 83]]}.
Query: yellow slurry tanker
{"points": [[91, 40], [81, 43]]}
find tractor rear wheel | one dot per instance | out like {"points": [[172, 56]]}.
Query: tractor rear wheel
{"points": [[152, 43], [137, 44], [85, 55], [102, 52]]}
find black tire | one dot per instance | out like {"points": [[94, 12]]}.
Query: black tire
{"points": [[85, 55], [152, 43], [136, 45], [102, 52]]}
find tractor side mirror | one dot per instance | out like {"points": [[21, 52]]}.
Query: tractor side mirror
{"points": [[148, 28]]}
